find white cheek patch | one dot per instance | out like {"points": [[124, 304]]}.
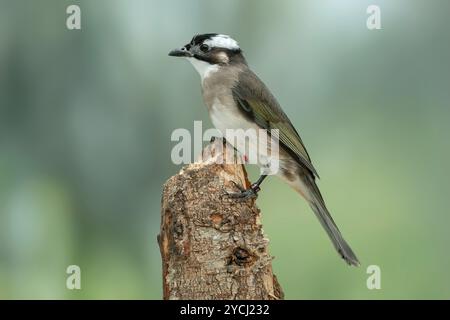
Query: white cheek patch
{"points": [[222, 41], [222, 56]]}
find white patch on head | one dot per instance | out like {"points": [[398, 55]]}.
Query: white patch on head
{"points": [[204, 68], [222, 41]]}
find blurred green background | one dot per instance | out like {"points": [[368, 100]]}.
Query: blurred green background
{"points": [[86, 118]]}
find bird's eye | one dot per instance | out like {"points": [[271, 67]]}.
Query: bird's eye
{"points": [[204, 47]]}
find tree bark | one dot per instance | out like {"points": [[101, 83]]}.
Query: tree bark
{"points": [[213, 246]]}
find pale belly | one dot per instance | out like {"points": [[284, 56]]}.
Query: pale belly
{"points": [[272, 161], [253, 143]]}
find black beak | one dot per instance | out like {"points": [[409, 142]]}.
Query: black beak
{"points": [[182, 52]]}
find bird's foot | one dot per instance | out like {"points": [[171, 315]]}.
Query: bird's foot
{"points": [[244, 194]]}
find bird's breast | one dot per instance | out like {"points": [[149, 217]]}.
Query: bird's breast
{"points": [[252, 142], [225, 115]]}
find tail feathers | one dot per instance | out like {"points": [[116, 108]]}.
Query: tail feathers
{"points": [[333, 232], [318, 205]]}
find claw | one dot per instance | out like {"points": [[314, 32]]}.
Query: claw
{"points": [[244, 195], [238, 186], [251, 193]]}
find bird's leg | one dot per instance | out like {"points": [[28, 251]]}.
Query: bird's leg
{"points": [[214, 139], [252, 192]]}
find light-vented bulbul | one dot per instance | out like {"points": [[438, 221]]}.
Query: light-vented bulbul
{"points": [[237, 99]]}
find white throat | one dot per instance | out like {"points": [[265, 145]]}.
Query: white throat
{"points": [[203, 68]]}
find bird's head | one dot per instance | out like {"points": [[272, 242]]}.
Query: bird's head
{"points": [[209, 51]]}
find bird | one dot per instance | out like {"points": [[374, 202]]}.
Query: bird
{"points": [[236, 98]]}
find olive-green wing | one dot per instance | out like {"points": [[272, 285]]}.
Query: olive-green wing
{"points": [[255, 100]]}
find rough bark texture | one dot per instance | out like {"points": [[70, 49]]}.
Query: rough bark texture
{"points": [[213, 246]]}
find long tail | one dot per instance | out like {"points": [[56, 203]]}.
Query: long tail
{"points": [[318, 205]]}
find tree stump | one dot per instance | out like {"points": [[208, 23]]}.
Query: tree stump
{"points": [[213, 246]]}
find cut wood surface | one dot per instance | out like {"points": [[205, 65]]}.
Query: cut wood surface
{"points": [[212, 245]]}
